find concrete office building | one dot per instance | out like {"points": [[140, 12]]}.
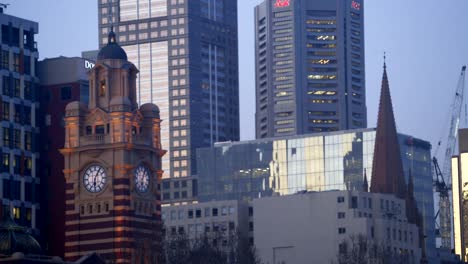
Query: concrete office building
{"points": [[190, 70], [62, 80], [460, 197], [220, 221], [310, 232], [19, 187], [309, 58]]}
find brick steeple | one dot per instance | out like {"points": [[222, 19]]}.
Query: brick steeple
{"points": [[387, 168]]}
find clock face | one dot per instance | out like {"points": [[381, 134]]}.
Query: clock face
{"points": [[141, 179], [94, 178]]}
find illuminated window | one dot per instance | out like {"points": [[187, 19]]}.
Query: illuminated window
{"points": [[284, 122], [283, 70], [323, 37], [321, 21], [283, 78], [322, 92], [284, 62], [321, 46], [282, 94], [102, 88], [280, 47], [282, 31], [16, 212], [283, 39], [285, 130], [321, 77]]}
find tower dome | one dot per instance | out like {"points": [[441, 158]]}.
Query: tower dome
{"points": [[112, 50], [15, 238]]}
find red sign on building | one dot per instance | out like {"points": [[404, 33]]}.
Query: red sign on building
{"points": [[281, 3], [356, 5]]}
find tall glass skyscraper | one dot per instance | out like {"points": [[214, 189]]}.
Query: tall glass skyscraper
{"points": [[309, 66], [190, 70]]}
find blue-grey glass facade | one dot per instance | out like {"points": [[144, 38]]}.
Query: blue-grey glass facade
{"points": [[187, 55], [314, 162], [20, 182], [309, 58]]}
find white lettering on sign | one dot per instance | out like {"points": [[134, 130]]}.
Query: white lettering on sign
{"points": [[88, 64]]}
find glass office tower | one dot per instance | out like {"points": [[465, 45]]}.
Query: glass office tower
{"points": [[190, 70], [309, 66], [314, 162]]}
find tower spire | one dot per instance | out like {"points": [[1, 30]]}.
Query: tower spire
{"points": [[365, 184], [387, 168]]}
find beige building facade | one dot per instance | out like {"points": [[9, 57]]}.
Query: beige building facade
{"points": [[313, 227]]}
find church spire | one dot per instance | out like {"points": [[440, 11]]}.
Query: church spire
{"points": [[387, 168], [365, 184]]}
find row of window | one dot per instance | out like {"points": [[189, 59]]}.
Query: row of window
{"points": [[12, 138], [21, 164], [202, 229], [197, 213], [12, 191], [12, 87]]}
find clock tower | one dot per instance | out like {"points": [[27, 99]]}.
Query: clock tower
{"points": [[112, 169]]}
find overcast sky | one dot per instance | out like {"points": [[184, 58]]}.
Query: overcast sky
{"points": [[426, 43]]}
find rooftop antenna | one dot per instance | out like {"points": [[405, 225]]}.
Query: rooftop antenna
{"points": [[110, 15], [3, 6]]}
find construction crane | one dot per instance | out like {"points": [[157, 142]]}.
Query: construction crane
{"points": [[441, 186]]}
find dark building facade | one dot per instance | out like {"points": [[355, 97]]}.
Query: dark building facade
{"points": [[19, 186], [62, 80], [309, 58], [190, 70]]}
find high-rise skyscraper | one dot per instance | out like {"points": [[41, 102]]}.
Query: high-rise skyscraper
{"points": [[309, 66], [20, 193], [190, 70]]}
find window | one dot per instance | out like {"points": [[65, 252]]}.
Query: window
{"points": [[16, 138], [27, 65], [6, 137], [340, 199], [6, 85], [65, 93], [5, 63], [198, 213], [190, 214], [214, 212], [224, 210], [16, 62], [5, 162], [5, 111], [100, 130], [102, 88], [17, 88], [354, 202], [17, 115], [341, 230], [341, 215]]}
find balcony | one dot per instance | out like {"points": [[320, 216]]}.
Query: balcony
{"points": [[90, 140]]}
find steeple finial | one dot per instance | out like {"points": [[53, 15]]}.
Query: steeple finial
{"points": [[385, 60]]}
